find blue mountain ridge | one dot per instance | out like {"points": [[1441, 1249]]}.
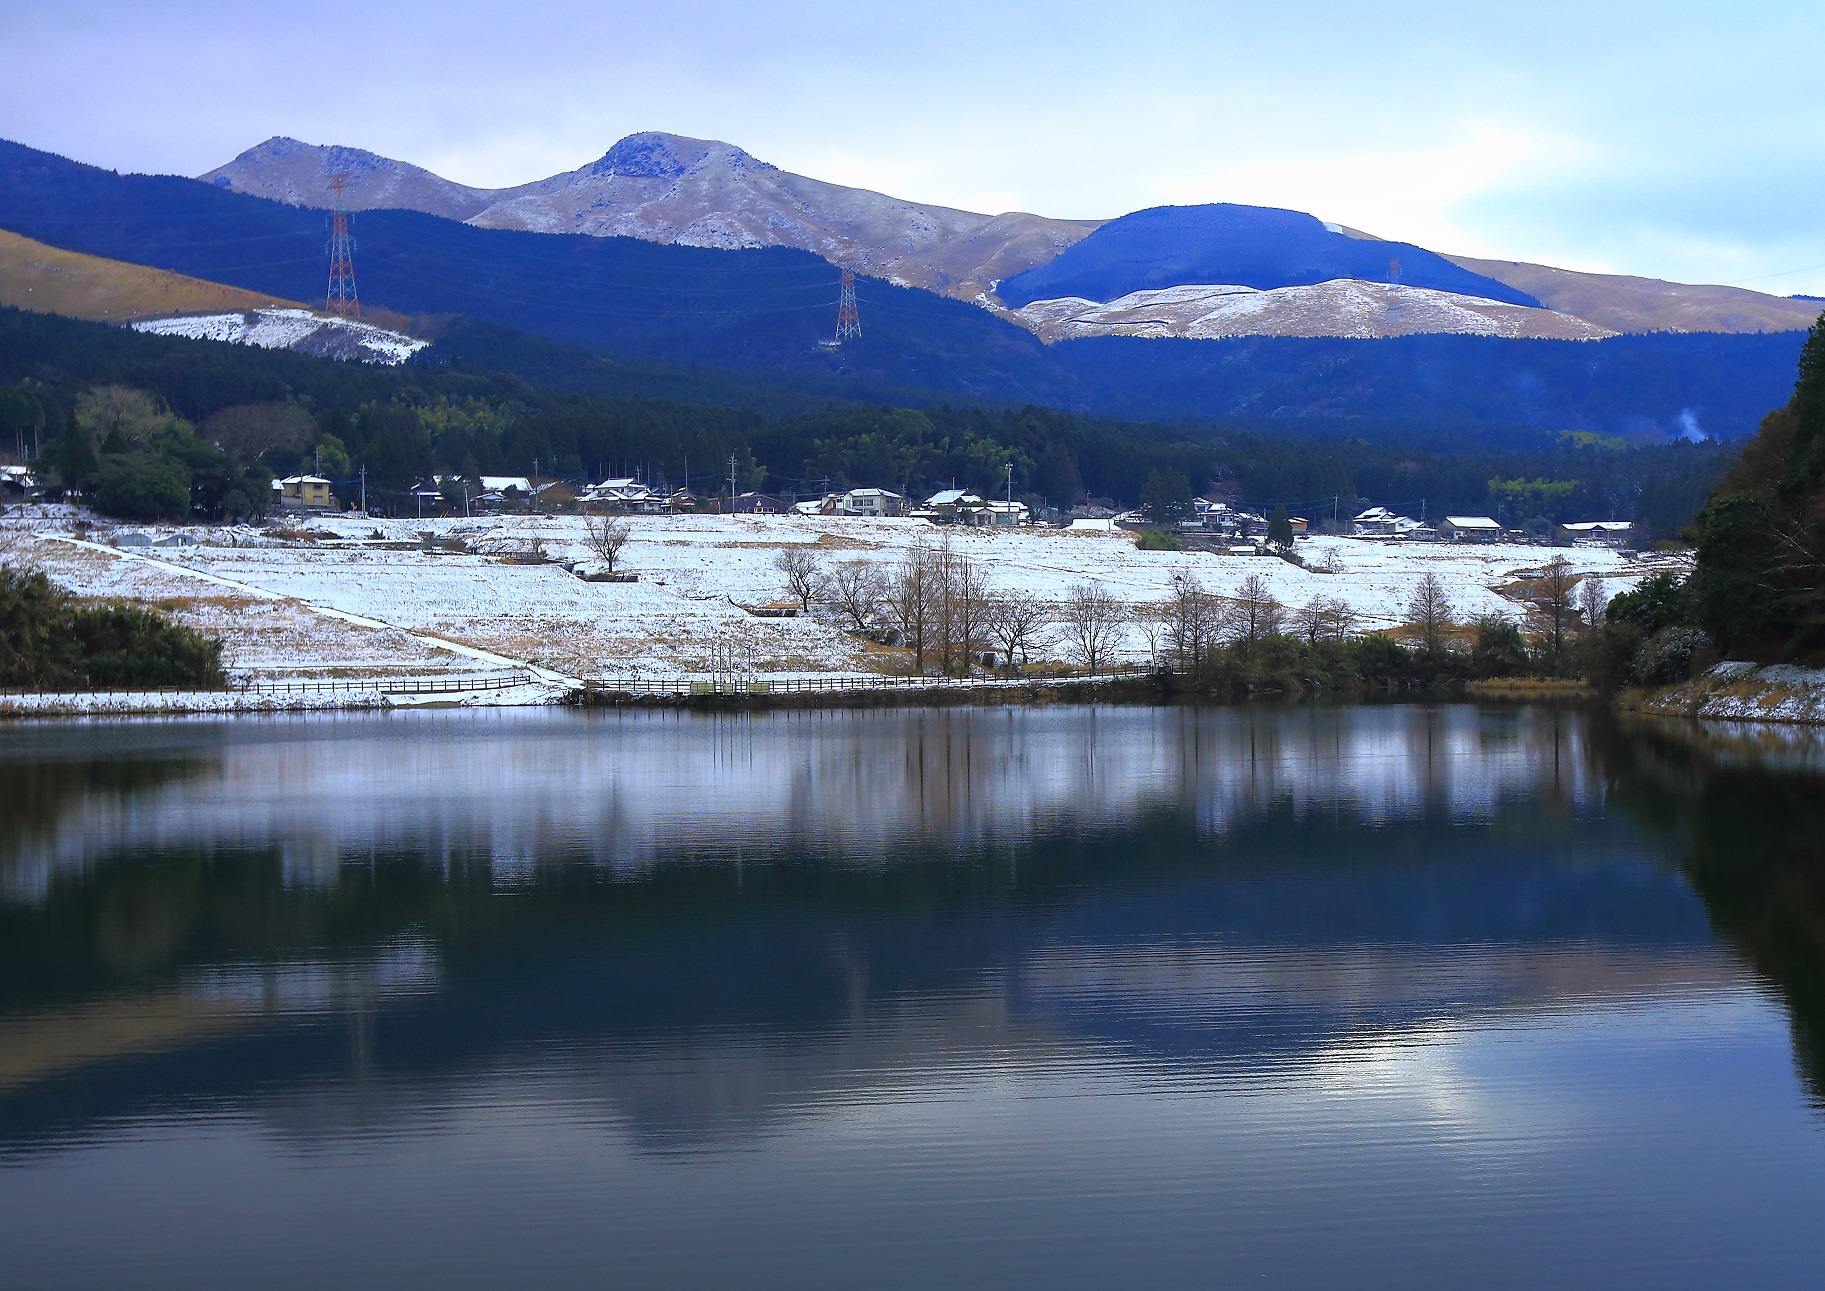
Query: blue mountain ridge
{"points": [[1247, 246], [763, 312]]}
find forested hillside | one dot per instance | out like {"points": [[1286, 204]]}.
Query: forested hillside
{"points": [[276, 411], [764, 311]]}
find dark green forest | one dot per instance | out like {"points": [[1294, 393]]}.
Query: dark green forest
{"points": [[214, 420]]}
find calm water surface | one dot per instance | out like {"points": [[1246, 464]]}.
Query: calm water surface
{"points": [[1075, 997]]}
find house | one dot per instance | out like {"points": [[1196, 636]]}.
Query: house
{"points": [[947, 505], [553, 493], [623, 494], [762, 504], [874, 503], [816, 507], [16, 483], [1379, 522], [997, 515], [302, 493], [1469, 529], [1597, 533], [511, 488]]}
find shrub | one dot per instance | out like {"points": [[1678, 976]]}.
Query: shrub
{"points": [[138, 486], [1157, 540], [1666, 657], [49, 642]]}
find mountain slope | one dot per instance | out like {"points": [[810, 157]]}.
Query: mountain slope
{"points": [[763, 311], [1250, 246], [53, 281], [693, 192], [1341, 307], [1628, 304]]}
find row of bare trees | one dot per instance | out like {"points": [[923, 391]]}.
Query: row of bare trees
{"points": [[940, 605]]}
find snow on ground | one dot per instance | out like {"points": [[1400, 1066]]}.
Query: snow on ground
{"points": [[293, 329], [699, 578], [1340, 307]]}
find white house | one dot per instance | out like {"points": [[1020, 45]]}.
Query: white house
{"points": [[1379, 522], [947, 505], [1470, 529], [871, 502], [1598, 533], [997, 515], [626, 492]]}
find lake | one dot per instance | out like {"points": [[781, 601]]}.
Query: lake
{"points": [[1403, 995]]}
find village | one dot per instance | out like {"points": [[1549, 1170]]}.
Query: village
{"points": [[618, 585]]}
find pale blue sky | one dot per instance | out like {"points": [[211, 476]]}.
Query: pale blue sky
{"points": [[1676, 140]]}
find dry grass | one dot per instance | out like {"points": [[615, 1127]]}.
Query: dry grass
{"points": [[52, 281]]}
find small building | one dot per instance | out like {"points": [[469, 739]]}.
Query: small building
{"points": [[623, 494], [16, 484], [1379, 522], [553, 493], [947, 506], [761, 504], [996, 515], [511, 488], [302, 493], [875, 503], [1597, 533], [1469, 529]]}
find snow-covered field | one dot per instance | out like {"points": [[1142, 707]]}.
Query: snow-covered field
{"points": [[293, 329], [339, 603]]}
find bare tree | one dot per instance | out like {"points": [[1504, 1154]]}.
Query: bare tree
{"points": [[965, 610], [910, 596], [1430, 611], [1195, 622], [1019, 624], [804, 574], [1593, 604], [1553, 604], [1258, 615], [606, 538], [1092, 621], [854, 588]]}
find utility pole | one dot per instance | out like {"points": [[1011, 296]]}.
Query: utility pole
{"points": [[364, 488], [731, 484], [1010, 466]]}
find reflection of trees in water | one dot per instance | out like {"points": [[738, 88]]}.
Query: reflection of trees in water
{"points": [[1752, 817], [717, 982], [37, 797]]}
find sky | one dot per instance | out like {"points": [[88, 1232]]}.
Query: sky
{"points": [[1681, 141]]}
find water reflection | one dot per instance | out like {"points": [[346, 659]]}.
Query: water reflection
{"points": [[688, 934]]}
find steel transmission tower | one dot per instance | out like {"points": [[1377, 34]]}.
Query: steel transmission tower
{"points": [[341, 297], [848, 321]]}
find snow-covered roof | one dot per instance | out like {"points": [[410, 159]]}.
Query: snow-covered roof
{"points": [[950, 497], [1598, 526], [871, 493], [1471, 522], [302, 479], [808, 508], [502, 483]]}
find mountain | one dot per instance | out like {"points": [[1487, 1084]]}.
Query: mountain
{"points": [[692, 192], [765, 311], [53, 281], [1340, 307], [1627, 304], [1249, 246]]}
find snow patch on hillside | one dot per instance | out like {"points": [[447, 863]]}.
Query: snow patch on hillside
{"points": [[299, 330], [1347, 307]]}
